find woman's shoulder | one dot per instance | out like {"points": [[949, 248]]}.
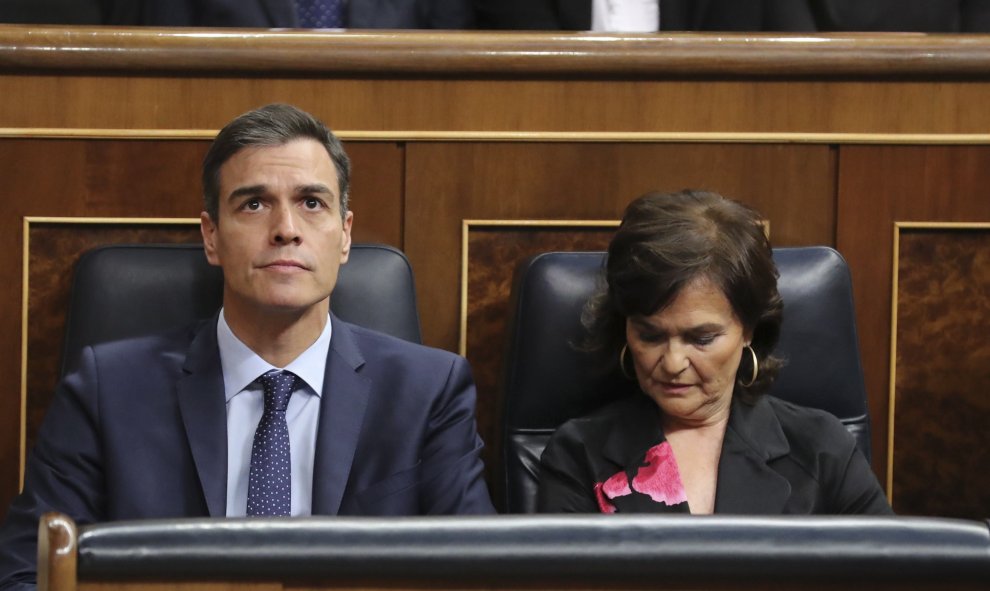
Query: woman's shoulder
{"points": [[811, 430], [599, 422]]}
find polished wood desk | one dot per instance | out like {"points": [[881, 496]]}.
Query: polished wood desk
{"points": [[472, 150]]}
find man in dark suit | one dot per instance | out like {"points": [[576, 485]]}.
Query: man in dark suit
{"points": [[358, 14], [753, 15], [185, 424]]}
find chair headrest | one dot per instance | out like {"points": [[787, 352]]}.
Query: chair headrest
{"points": [[127, 290]]}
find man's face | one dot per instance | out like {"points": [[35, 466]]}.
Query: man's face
{"points": [[279, 236]]}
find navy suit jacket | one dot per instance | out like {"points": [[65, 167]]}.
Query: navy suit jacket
{"points": [[361, 14], [139, 432]]}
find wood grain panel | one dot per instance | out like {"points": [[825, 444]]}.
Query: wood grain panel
{"points": [[941, 445], [793, 185], [878, 185], [86, 100], [128, 179]]}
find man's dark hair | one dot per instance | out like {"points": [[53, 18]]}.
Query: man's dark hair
{"points": [[271, 125]]}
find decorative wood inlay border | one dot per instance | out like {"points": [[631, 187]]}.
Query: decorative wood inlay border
{"points": [[895, 274]]}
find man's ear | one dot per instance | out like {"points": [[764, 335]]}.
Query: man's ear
{"points": [[345, 237], [209, 231]]}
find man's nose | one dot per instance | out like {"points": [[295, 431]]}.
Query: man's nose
{"points": [[285, 228]]}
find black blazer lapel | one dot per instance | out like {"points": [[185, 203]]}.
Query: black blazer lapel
{"points": [[204, 415], [746, 482], [638, 432], [342, 407]]}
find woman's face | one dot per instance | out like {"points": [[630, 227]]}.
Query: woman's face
{"points": [[686, 355]]}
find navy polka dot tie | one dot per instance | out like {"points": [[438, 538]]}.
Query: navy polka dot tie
{"points": [[320, 14], [270, 482]]}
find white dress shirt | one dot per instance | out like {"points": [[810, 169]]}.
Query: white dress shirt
{"points": [[245, 404], [625, 15]]}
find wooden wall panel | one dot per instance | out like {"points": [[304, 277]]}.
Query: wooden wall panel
{"points": [[128, 179], [430, 106], [940, 405], [880, 185], [793, 185]]}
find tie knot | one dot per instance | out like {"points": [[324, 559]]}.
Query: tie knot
{"points": [[278, 385]]}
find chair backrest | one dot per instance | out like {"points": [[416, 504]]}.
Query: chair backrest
{"points": [[127, 290], [548, 381]]}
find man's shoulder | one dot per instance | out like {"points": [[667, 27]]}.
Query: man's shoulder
{"points": [[178, 337], [167, 349], [374, 344]]}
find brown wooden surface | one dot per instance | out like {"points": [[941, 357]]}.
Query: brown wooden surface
{"points": [[820, 133], [448, 182], [511, 53], [880, 185], [92, 100], [57, 553], [941, 437]]}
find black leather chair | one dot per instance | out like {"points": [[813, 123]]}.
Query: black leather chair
{"points": [[547, 381], [128, 290]]}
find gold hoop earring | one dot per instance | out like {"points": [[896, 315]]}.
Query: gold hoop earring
{"points": [[622, 362], [756, 369]]}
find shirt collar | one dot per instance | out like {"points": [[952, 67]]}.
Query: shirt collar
{"points": [[241, 366]]}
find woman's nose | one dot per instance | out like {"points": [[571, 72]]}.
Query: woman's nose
{"points": [[674, 359]]}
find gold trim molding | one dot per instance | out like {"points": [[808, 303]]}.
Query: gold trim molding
{"points": [[529, 136], [892, 386], [26, 288]]}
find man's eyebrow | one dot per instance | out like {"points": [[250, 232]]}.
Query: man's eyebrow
{"points": [[257, 190], [314, 188], [251, 191]]}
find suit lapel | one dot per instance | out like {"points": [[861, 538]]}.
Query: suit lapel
{"points": [[746, 482], [342, 407], [204, 415]]}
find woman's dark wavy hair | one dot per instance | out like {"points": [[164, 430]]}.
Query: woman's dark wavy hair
{"points": [[665, 241]]}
